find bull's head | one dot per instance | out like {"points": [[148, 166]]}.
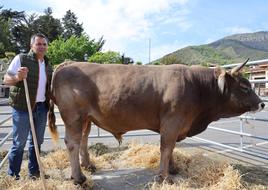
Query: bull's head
{"points": [[238, 91]]}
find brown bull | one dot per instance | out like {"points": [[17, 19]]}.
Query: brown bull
{"points": [[176, 101]]}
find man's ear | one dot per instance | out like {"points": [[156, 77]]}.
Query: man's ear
{"points": [[219, 74]]}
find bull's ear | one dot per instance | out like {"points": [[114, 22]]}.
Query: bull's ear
{"points": [[220, 75]]}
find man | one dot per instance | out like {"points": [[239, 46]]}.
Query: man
{"points": [[35, 67]]}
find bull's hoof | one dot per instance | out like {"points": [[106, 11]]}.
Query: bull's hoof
{"points": [[160, 179], [79, 181], [90, 167], [169, 180], [148, 186], [173, 171]]}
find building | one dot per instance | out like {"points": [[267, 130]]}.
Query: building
{"points": [[259, 73]]}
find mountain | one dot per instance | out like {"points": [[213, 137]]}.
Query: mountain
{"points": [[231, 49]]}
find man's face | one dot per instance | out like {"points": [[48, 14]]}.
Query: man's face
{"points": [[39, 46]]}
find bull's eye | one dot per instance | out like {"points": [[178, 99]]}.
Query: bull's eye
{"points": [[245, 89]]}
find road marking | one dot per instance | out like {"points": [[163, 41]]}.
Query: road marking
{"points": [[247, 146]]}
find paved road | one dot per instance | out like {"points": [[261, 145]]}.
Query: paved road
{"points": [[256, 146]]}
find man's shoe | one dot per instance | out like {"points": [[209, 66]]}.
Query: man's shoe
{"points": [[15, 177]]}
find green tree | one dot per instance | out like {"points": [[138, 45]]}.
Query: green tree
{"points": [[4, 37], [8, 20], [170, 59], [106, 57], [22, 27], [70, 25], [73, 48], [21, 33], [48, 25]]}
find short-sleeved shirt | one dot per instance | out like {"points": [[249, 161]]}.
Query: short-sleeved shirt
{"points": [[13, 70]]}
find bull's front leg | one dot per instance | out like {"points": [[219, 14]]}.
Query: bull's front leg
{"points": [[84, 155], [72, 140], [169, 133], [172, 168], [166, 150]]}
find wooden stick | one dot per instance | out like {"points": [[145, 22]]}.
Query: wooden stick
{"points": [[34, 134]]}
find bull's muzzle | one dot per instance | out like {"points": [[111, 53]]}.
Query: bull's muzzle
{"points": [[261, 105]]}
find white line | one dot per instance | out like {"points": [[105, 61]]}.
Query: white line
{"points": [[248, 146]]}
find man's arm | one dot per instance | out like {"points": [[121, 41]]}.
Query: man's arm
{"points": [[11, 79]]}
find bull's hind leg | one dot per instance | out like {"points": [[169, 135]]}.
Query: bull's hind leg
{"points": [[72, 139], [84, 156]]}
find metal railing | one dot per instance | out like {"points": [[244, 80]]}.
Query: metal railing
{"points": [[241, 133]]}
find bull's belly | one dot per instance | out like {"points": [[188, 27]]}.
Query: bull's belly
{"points": [[121, 126]]}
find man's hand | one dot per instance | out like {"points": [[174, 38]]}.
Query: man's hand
{"points": [[11, 79], [22, 73]]}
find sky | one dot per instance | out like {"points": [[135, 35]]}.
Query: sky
{"points": [[146, 30]]}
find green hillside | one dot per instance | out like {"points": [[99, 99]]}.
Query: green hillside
{"points": [[231, 49]]}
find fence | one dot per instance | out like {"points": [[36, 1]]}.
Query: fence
{"points": [[240, 133]]}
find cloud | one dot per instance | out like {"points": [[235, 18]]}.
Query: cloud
{"points": [[122, 21], [238, 30]]}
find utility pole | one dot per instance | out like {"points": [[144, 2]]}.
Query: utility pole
{"points": [[149, 51]]}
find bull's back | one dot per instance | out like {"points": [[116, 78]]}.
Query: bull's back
{"points": [[116, 97]]}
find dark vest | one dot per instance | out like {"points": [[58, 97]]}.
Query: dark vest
{"points": [[17, 98]]}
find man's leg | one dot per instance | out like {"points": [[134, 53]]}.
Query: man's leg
{"points": [[21, 127], [40, 119]]}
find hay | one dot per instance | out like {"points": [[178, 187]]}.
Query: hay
{"points": [[230, 179], [56, 165], [202, 172], [56, 160], [9, 183], [140, 156], [196, 171]]}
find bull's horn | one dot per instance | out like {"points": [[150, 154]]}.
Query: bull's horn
{"points": [[239, 67]]}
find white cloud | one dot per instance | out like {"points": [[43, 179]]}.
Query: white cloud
{"points": [[238, 30], [121, 21]]}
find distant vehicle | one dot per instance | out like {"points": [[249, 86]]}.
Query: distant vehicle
{"points": [[4, 90], [126, 60]]}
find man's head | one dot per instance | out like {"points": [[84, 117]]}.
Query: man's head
{"points": [[39, 44]]}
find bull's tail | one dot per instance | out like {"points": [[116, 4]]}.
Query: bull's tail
{"points": [[52, 122]]}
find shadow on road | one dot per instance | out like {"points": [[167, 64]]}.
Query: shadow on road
{"points": [[253, 174]]}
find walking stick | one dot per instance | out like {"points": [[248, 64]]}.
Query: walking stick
{"points": [[34, 134]]}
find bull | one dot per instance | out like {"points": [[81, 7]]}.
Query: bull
{"points": [[176, 101]]}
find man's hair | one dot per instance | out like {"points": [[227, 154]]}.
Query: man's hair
{"points": [[38, 35]]}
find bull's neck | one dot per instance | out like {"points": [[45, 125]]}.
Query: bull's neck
{"points": [[207, 84], [211, 100]]}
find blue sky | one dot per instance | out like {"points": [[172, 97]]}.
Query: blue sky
{"points": [[127, 25]]}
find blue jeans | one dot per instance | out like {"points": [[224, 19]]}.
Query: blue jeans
{"points": [[22, 132]]}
